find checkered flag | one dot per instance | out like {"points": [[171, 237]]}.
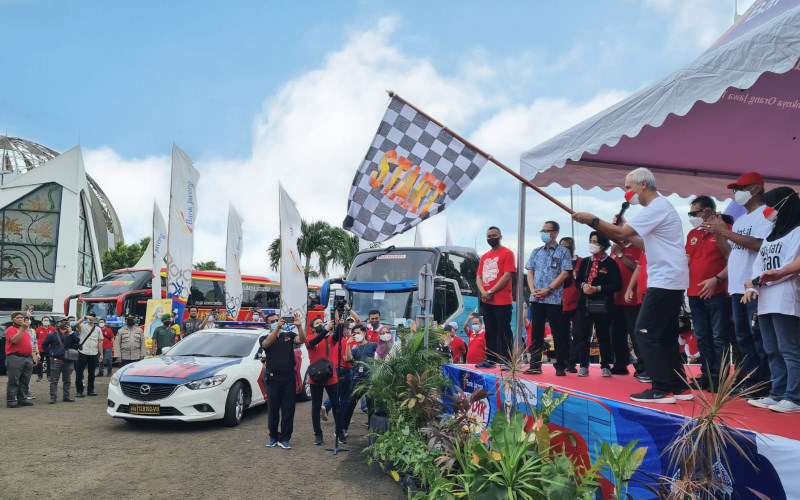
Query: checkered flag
{"points": [[413, 170]]}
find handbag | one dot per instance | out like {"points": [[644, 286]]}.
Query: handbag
{"points": [[596, 306], [322, 369], [69, 354]]}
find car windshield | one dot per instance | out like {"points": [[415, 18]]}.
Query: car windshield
{"points": [[221, 344]]}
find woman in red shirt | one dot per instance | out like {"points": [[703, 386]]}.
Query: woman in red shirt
{"points": [[322, 344]]}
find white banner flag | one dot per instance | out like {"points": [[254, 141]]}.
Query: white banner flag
{"points": [[182, 217], [294, 290], [159, 245], [233, 272]]}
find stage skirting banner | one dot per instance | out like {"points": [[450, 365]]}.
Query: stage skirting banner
{"points": [[591, 419]]}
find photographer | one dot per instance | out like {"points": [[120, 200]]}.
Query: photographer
{"points": [[279, 356], [322, 345], [57, 342]]}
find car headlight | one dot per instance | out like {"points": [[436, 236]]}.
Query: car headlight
{"points": [[115, 380], [206, 383]]}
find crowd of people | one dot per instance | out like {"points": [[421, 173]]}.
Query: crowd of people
{"points": [[728, 292]]}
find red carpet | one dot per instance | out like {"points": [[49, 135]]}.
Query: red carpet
{"points": [[619, 387]]}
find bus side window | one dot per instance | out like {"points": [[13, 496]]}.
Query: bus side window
{"points": [[445, 301], [462, 269]]}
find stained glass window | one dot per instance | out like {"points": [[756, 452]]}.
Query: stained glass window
{"points": [[30, 236], [87, 274]]}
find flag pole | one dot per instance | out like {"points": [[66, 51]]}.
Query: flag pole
{"points": [[483, 153]]}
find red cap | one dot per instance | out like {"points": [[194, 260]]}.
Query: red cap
{"points": [[747, 179]]}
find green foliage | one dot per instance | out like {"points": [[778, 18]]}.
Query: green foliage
{"points": [[123, 256], [404, 449], [208, 265], [44, 306], [622, 461]]}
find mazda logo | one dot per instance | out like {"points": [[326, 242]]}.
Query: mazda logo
{"points": [[144, 390]]}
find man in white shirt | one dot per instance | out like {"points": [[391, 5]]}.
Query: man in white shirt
{"points": [[744, 240], [91, 353], [661, 232]]}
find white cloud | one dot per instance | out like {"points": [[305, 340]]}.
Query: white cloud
{"points": [[313, 132], [699, 22]]}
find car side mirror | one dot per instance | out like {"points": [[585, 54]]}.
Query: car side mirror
{"points": [[165, 349]]}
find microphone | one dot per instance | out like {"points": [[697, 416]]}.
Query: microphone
{"points": [[625, 206]]}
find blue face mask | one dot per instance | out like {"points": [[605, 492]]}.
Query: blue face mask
{"points": [[273, 326], [545, 238], [71, 323]]}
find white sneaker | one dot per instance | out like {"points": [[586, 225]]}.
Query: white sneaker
{"points": [[785, 406], [762, 402]]}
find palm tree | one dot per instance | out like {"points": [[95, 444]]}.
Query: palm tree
{"points": [[348, 248], [318, 239]]}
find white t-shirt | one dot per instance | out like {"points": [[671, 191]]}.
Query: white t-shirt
{"points": [[782, 297], [741, 259], [660, 227]]}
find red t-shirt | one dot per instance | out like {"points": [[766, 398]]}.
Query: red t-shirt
{"points": [[41, 333], [641, 283], [705, 261], [318, 352], [373, 335], [632, 253], [476, 353], [335, 352], [459, 348], [571, 293], [24, 346], [494, 264], [108, 338]]}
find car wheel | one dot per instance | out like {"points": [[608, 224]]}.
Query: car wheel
{"points": [[305, 392], [234, 406]]}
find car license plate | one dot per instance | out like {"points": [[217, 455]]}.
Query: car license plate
{"points": [[145, 409]]}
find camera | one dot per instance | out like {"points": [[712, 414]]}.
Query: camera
{"points": [[340, 302]]}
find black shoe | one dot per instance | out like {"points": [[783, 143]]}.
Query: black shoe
{"points": [[92, 394], [68, 400], [571, 369], [561, 373], [619, 370], [12, 405], [52, 402], [652, 396], [533, 370], [485, 364], [318, 440], [99, 375], [342, 439], [25, 403], [80, 394]]}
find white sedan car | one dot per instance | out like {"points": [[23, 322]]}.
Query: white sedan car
{"points": [[212, 374]]}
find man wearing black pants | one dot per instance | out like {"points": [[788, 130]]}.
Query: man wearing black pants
{"points": [[91, 353], [280, 377], [548, 267], [493, 280], [661, 232]]}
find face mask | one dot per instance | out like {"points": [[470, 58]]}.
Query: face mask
{"points": [[102, 325], [476, 328], [593, 249], [319, 329], [273, 326], [771, 214], [545, 237], [255, 317], [742, 197], [46, 323], [71, 323], [695, 221], [493, 242], [359, 338], [129, 322], [632, 197], [386, 337], [375, 324]]}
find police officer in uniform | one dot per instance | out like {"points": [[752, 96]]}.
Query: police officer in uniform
{"points": [[280, 377], [130, 343]]}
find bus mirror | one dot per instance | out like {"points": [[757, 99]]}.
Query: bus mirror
{"points": [[323, 296]]}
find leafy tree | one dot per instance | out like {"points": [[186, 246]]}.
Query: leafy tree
{"points": [[317, 239], [209, 265], [348, 248], [122, 255]]}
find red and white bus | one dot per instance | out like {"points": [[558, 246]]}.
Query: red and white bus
{"points": [[126, 291]]}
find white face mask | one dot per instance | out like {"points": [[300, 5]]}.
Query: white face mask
{"points": [[45, 323], [695, 221], [386, 337], [359, 338], [593, 249], [102, 325], [476, 328], [742, 197]]}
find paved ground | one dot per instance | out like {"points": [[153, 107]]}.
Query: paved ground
{"points": [[75, 450]]}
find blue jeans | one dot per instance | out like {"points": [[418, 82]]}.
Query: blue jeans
{"points": [[779, 333], [345, 376], [710, 318], [751, 348], [106, 362]]}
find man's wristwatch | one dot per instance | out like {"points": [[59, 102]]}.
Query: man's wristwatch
{"points": [[719, 280], [756, 281], [595, 222]]}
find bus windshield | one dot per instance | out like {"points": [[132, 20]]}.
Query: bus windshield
{"points": [[395, 265], [116, 283], [393, 306]]}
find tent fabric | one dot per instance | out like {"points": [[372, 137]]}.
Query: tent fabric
{"points": [[736, 108]]}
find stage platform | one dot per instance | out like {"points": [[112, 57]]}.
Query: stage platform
{"points": [[599, 409]]}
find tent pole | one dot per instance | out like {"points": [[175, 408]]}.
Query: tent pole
{"points": [[572, 207], [520, 292]]}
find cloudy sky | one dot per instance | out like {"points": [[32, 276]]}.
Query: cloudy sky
{"points": [[263, 92]]}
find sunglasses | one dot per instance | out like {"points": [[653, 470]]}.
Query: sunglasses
{"points": [[695, 213]]}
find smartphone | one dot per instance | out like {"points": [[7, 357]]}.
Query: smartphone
{"points": [[289, 320]]}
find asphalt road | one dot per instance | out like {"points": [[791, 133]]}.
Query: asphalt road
{"points": [[75, 450]]}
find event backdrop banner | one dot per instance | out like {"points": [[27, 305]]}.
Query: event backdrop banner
{"points": [[413, 170], [294, 290], [182, 216], [233, 273], [159, 248]]}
